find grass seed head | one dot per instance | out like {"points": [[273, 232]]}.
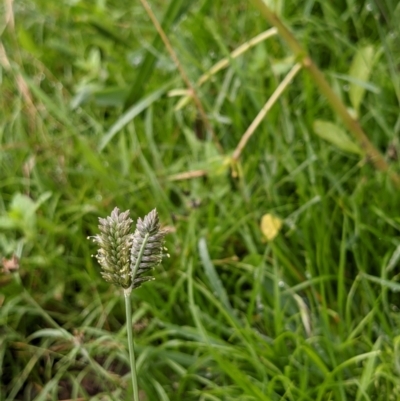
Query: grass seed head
{"points": [[115, 241], [126, 258], [147, 248]]}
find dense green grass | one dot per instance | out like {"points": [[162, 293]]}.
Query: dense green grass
{"points": [[312, 315]]}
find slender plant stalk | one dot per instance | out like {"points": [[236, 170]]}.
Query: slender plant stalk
{"points": [[225, 62], [263, 112], [188, 175], [128, 310], [337, 105]]}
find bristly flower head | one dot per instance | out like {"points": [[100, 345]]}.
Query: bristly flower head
{"points": [[147, 247], [115, 241], [125, 258]]}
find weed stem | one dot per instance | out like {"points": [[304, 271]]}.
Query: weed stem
{"points": [[128, 309]]}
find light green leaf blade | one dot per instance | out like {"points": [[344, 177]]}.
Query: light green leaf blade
{"points": [[391, 285], [367, 377], [212, 275], [360, 70], [336, 136]]}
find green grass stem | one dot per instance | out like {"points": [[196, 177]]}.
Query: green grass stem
{"points": [[132, 361]]}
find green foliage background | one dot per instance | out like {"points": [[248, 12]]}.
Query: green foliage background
{"points": [[86, 124]]}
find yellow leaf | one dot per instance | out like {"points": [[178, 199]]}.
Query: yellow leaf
{"points": [[270, 226]]}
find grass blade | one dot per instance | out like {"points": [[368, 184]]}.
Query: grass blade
{"points": [[175, 10], [130, 114], [213, 277]]}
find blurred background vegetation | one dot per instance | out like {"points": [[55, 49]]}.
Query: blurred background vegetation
{"points": [[93, 116]]}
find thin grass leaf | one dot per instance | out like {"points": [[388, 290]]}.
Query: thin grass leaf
{"points": [[230, 369], [369, 371], [176, 10], [130, 114], [54, 333], [162, 395], [394, 260], [329, 381], [57, 111], [384, 283], [107, 30], [213, 277]]}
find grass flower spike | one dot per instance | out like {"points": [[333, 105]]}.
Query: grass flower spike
{"points": [[125, 259], [114, 242], [147, 248]]}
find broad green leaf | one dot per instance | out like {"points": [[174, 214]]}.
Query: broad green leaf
{"points": [[22, 213], [336, 136], [360, 70]]}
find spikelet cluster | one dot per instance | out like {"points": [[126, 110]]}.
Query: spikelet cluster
{"points": [[125, 258], [147, 247], [115, 241]]}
